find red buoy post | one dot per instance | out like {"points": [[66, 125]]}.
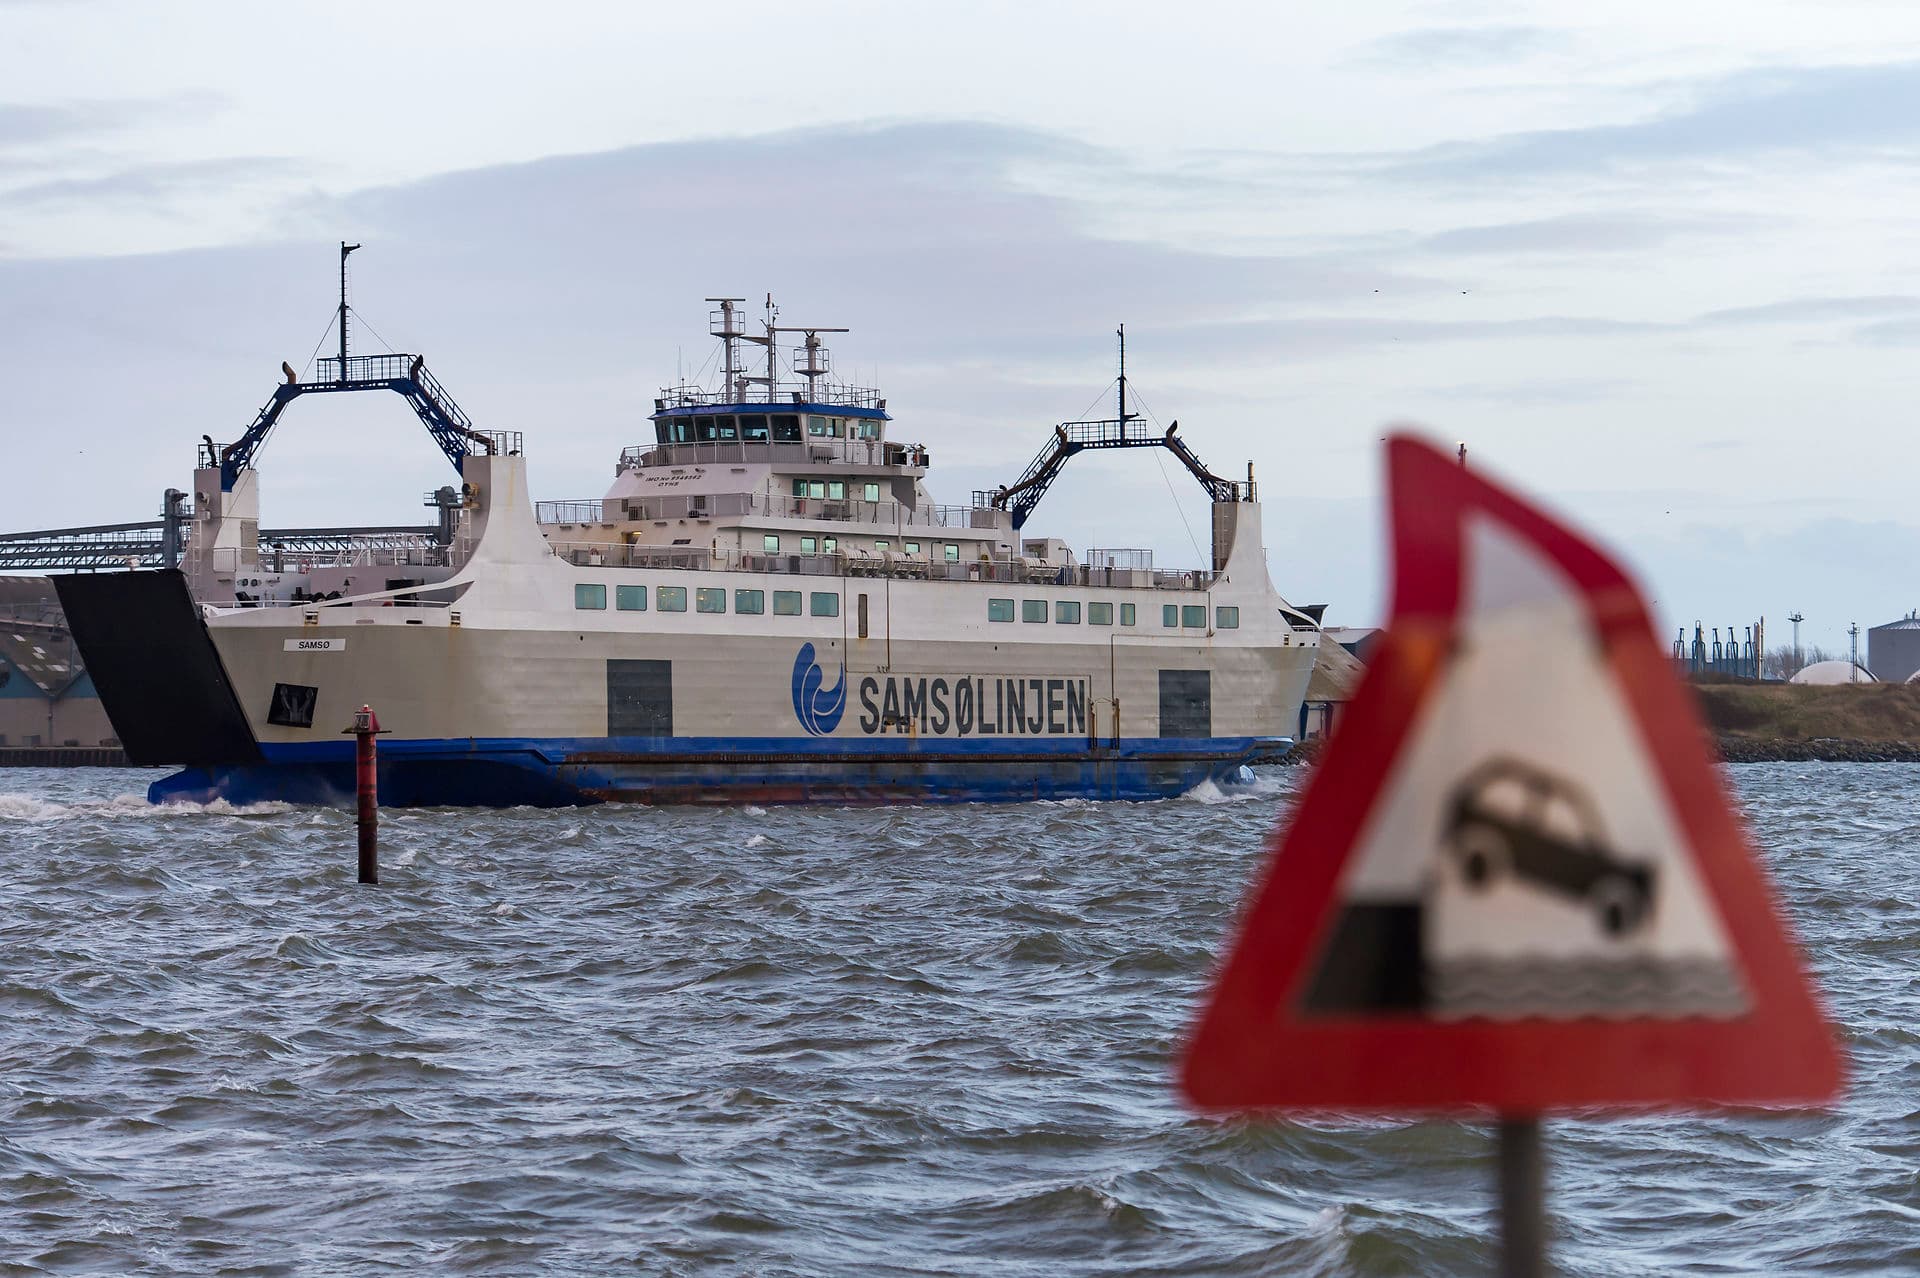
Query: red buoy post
{"points": [[366, 778]]}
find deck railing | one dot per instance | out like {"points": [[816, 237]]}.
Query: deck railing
{"points": [[596, 554]]}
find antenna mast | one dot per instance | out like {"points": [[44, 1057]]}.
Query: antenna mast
{"points": [[345, 248], [1121, 332], [725, 324]]}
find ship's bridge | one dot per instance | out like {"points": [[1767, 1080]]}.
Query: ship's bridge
{"points": [[713, 419]]}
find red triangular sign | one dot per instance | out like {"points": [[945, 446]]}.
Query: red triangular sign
{"points": [[1515, 880]]}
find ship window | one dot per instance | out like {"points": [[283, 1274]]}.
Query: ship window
{"points": [[751, 602], [1067, 612], [630, 598], [870, 430], [786, 603], [673, 598], [1226, 618], [1033, 610], [1194, 616], [823, 604], [663, 432], [682, 430], [710, 599], [589, 595], [816, 488], [881, 543], [836, 490], [816, 426], [830, 545], [753, 428], [808, 545], [703, 429], [723, 428], [1099, 614], [771, 543], [913, 548], [952, 552], [873, 492], [799, 488], [786, 425], [1170, 615], [1126, 614], [999, 610]]}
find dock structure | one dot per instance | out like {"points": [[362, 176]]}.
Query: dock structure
{"points": [[146, 544]]}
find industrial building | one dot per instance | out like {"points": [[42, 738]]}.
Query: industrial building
{"points": [[46, 696], [1893, 650]]}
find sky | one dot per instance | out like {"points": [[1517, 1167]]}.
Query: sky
{"points": [[1655, 263]]}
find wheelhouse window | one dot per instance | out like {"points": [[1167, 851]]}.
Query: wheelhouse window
{"points": [[1170, 616], [1194, 616], [999, 610], [630, 598], [1099, 614], [671, 598], [1126, 614], [786, 603], [823, 604], [786, 426], [1066, 612], [723, 428], [1034, 610], [589, 595], [772, 543], [1226, 618], [709, 599], [750, 602], [753, 429]]}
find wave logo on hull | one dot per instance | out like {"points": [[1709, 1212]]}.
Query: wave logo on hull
{"points": [[817, 707]]}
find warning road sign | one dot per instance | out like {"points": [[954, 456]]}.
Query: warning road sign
{"points": [[1515, 879]]}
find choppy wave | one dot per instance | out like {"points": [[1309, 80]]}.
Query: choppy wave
{"points": [[816, 1041]]}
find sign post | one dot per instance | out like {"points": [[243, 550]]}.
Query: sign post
{"points": [[1515, 865]]}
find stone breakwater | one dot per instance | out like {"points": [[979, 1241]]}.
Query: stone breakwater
{"points": [[1738, 750], [1816, 750]]}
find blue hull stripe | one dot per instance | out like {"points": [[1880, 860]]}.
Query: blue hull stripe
{"points": [[545, 772]]}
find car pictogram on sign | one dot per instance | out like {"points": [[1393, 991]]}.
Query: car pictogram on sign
{"points": [[1510, 820]]}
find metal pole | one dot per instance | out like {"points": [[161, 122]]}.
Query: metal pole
{"points": [[1523, 1230], [366, 784]]}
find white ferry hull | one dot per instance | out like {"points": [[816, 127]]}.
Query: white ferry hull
{"points": [[521, 680]]}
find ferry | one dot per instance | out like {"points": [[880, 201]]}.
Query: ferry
{"points": [[766, 606]]}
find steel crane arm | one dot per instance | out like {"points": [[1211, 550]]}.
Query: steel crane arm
{"points": [[405, 375]]}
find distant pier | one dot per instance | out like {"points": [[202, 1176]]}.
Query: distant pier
{"points": [[62, 757]]}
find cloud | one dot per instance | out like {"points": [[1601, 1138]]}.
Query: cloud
{"points": [[1808, 310], [1463, 46], [1825, 111], [1535, 392], [146, 184], [1576, 234], [1899, 332], [24, 124]]}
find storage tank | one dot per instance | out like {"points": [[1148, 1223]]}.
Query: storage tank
{"points": [[1893, 650]]}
